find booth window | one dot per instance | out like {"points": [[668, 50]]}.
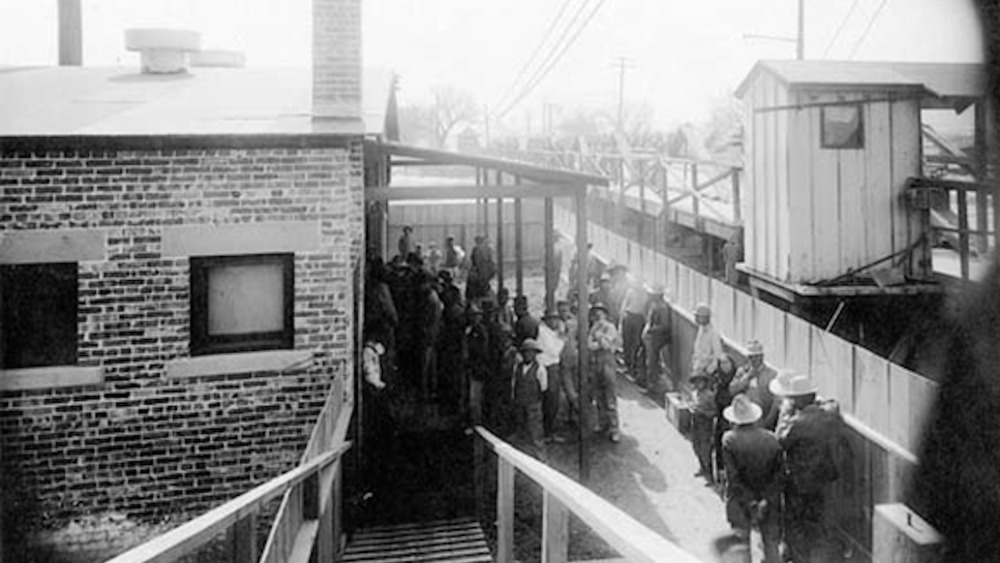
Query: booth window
{"points": [[39, 314], [842, 127], [242, 303]]}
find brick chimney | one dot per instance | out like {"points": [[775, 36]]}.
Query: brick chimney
{"points": [[336, 64], [70, 33]]}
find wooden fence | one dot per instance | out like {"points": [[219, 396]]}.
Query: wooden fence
{"points": [[885, 405]]}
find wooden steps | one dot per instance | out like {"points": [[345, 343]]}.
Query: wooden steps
{"points": [[441, 541]]}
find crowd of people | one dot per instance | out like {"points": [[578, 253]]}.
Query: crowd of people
{"points": [[763, 436]]}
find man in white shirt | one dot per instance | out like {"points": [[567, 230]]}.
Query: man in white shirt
{"points": [[707, 344]]}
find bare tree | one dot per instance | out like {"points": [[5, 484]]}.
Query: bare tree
{"points": [[451, 108]]}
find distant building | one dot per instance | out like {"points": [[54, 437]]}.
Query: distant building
{"points": [[179, 258]]}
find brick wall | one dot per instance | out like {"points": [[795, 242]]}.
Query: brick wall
{"points": [[93, 468]]}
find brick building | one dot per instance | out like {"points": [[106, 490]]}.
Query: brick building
{"points": [[179, 258]]}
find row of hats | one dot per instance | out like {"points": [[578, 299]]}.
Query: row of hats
{"points": [[788, 384]]}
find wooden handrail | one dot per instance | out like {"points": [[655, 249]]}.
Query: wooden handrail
{"points": [[197, 532], [633, 540]]}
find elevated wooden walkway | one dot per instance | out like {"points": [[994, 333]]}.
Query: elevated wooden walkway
{"points": [[442, 541]]}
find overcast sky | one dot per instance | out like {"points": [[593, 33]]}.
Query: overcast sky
{"points": [[684, 54]]}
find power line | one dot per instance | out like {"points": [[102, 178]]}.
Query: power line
{"points": [[556, 60], [840, 28], [871, 22], [560, 41], [538, 49]]}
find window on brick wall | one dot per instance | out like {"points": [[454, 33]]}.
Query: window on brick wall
{"points": [[39, 314], [242, 303]]}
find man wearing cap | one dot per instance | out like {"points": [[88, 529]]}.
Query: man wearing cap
{"points": [[752, 458], [407, 245], [552, 343], [529, 383], [603, 341], [707, 343], [526, 325], [477, 361], [703, 411], [808, 430], [633, 316], [602, 296], [754, 379], [656, 335]]}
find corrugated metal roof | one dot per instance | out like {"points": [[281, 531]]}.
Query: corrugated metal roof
{"points": [[943, 80], [120, 101]]}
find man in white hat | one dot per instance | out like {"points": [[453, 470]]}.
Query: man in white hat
{"points": [[808, 430], [752, 458], [754, 379], [529, 383], [707, 343]]}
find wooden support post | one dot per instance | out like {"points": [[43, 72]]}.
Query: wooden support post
{"points": [[310, 497], [694, 193], [737, 201], [551, 272], [583, 326], [505, 511], [555, 530], [963, 233], [499, 256], [665, 207], [325, 549], [518, 246], [245, 539], [337, 509]]}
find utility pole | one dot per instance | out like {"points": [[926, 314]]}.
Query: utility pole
{"points": [[800, 38], [486, 126], [622, 64]]}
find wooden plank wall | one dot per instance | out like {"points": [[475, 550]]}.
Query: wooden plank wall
{"points": [[845, 205], [814, 213], [887, 404], [435, 222]]}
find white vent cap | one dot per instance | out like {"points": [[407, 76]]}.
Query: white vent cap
{"points": [[163, 51]]}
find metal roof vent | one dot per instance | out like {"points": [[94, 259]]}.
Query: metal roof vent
{"points": [[163, 51]]}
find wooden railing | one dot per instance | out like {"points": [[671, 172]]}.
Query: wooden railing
{"points": [[688, 191], [307, 521], [962, 214], [562, 496]]}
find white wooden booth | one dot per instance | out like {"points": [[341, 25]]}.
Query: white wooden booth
{"points": [[829, 148]]}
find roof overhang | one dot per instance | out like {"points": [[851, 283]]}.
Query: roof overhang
{"points": [[407, 155]]}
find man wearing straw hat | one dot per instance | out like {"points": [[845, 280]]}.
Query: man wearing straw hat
{"points": [[808, 430], [754, 379], [752, 457]]}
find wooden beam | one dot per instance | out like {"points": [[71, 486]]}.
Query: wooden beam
{"points": [[470, 192], [500, 165], [583, 326], [634, 541], [505, 511], [499, 256], [555, 530], [518, 246], [551, 274]]}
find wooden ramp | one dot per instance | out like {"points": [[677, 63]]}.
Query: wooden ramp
{"points": [[442, 541]]}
